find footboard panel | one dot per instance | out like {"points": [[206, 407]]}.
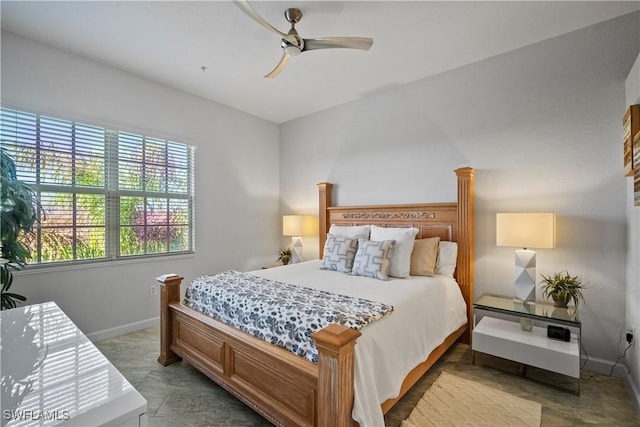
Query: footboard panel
{"points": [[288, 391], [199, 344], [277, 384]]}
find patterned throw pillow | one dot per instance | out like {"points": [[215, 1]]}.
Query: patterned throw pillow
{"points": [[339, 253], [373, 259]]}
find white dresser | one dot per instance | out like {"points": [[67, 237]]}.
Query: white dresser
{"points": [[56, 376]]}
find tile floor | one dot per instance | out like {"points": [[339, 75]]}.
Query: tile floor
{"points": [[178, 395]]}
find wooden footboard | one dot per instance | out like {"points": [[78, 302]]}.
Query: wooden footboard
{"points": [[284, 388]]}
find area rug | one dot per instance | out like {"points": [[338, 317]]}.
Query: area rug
{"points": [[454, 401]]}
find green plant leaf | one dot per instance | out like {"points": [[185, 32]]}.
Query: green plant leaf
{"points": [[18, 214]]}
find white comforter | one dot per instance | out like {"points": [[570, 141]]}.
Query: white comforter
{"points": [[426, 311]]}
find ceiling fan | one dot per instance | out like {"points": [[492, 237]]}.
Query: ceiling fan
{"points": [[293, 45]]}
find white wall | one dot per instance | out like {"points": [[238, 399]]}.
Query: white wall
{"points": [[542, 126], [236, 203], [632, 307]]}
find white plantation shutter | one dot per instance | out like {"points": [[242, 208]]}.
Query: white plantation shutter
{"points": [[19, 129], [105, 194], [155, 182]]}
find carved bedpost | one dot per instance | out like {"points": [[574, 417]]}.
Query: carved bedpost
{"points": [[465, 242], [335, 345], [324, 190], [169, 293]]}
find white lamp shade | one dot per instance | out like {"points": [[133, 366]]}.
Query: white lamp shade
{"points": [[526, 230], [299, 225]]}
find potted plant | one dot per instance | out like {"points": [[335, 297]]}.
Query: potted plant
{"points": [[18, 211], [284, 256], [562, 288]]}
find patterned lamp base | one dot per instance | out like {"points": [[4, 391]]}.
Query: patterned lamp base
{"points": [[525, 279], [296, 250]]}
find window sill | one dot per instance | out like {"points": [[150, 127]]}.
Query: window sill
{"points": [[52, 268]]}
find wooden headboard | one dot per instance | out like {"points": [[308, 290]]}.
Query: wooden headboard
{"points": [[449, 221]]}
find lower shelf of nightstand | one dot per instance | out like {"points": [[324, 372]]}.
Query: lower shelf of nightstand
{"points": [[506, 339]]}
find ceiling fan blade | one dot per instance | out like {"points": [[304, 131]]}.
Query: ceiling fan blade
{"points": [[249, 10], [283, 62], [363, 43]]}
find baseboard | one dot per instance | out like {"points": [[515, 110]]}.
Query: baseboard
{"points": [[124, 329], [633, 391], [603, 366]]}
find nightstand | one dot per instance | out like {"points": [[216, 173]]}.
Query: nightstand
{"points": [[265, 267], [497, 331]]}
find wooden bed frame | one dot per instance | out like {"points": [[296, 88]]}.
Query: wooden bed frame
{"points": [[287, 389]]}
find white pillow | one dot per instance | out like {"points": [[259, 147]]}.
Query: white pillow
{"points": [[447, 258], [352, 232], [401, 254]]}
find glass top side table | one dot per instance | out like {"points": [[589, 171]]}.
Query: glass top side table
{"points": [[511, 329], [534, 310]]}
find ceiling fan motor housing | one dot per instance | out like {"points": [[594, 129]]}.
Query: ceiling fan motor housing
{"points": [[292, 49]]}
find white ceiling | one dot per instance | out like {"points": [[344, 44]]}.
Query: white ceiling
{"points": [[168, 42]]}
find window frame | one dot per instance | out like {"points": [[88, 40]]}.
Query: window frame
{"points": [[110, 190]]}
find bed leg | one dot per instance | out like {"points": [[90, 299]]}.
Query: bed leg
{"points": [[169, 293], [335, 345]]}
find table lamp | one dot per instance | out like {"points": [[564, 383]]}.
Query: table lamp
{"points": [[526, 230], [297, 226]]}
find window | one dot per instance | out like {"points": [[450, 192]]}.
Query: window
{"points": [[104, 194]]}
